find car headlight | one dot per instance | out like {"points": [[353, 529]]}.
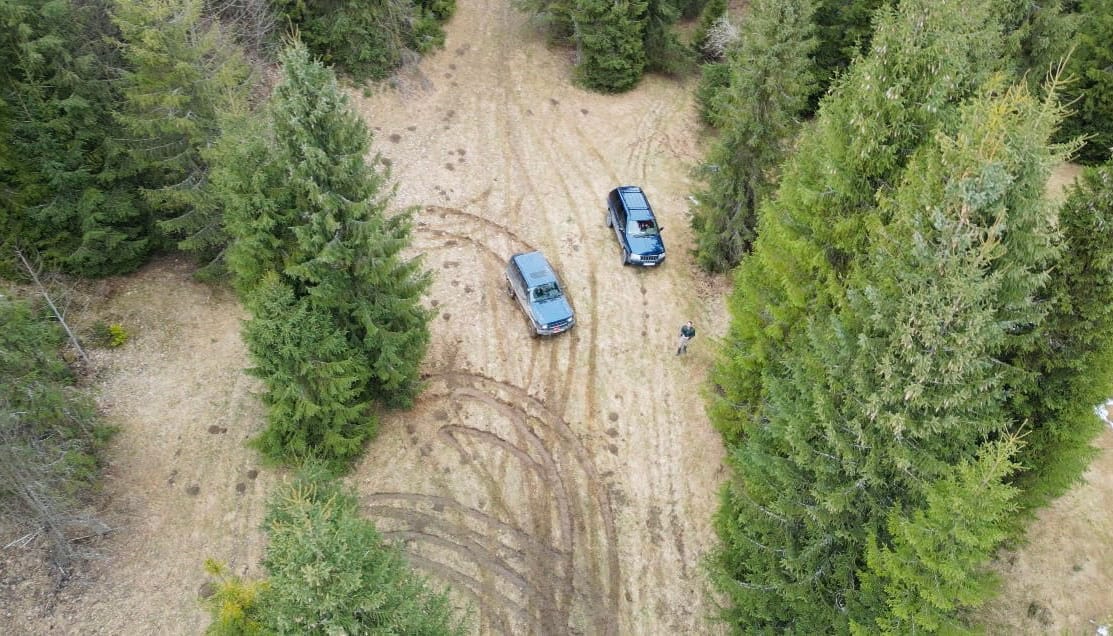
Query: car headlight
{"points": [[635, 258]]}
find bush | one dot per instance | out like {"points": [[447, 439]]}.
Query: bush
{"points": [[102, 334]]}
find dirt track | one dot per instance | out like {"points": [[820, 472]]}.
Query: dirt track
{"points": [[564, 485]]}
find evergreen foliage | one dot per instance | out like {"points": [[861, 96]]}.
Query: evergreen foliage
{"points": [[554, 18], [329, 572], [1092, 68], [616, 41], [923, 62], [233, 604], [337, 325], [925, 575], [879, 338], [843, 31], [1038, 36], [316, 408], [713, 82], [689, 9], [248, 189], [769, 81], [182, 75], [1073, 358], [711, 13], [368, 38], [664, 52], [610, 38], [68, 190]]}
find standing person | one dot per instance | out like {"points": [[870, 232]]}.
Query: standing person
{"points": [[687, 332]]}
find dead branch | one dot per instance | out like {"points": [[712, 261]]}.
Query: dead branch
{"points": [[49, 301]]}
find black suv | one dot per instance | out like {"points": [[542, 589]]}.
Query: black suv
{"points": [[628, 212]]}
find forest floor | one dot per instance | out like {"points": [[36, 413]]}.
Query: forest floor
{"points": [[560, 486]]}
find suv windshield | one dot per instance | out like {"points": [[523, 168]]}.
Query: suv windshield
{"points": [[641, 227], [547, 291]]}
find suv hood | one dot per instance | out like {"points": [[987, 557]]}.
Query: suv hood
{"points": [[547, 312], [646, 245]]}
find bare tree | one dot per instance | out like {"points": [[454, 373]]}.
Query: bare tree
{"points": [[722, 35], [59, 314], [34, 482]]}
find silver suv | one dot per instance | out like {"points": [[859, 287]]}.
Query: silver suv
{"points": [[531, 280]]}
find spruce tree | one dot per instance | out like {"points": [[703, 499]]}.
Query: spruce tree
{"points": [[872, 402], [843, 31], [1091, 66], [610, 45], [315, 376], [928, 572], [924, 60], [663, 51], [248, 185], [329, 572], [346, 252], [770, 78], [303, 205], [182, 73], [1073, 356], [69, 192], [876, 325]]}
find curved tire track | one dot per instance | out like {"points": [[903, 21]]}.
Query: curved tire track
{"points": [[538, 562]]}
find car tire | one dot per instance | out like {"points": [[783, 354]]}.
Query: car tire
{"points": [[610, 222], [509, 290], [625, 256]]}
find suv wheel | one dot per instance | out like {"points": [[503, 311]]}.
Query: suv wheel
{"points": [[509, 289], [625, 256], [610, 222]]}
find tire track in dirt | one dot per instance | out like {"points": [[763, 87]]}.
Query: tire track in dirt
{"points": [[541, 567], [494, 602], [533, 408], [641, 149], [559, 160], [553, 479], [492, 240], [533, 159], [478, 552]]}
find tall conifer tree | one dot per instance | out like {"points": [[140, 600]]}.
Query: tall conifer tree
{"points": [[924, 61], [182, 73], [876, 326], [306, 206], [1092, 68], [1073, 357], [771, 76], [68, 189], [609, 37]]}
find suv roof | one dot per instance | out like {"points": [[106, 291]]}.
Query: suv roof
{"points": [[633, 197], [535, 269]]}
